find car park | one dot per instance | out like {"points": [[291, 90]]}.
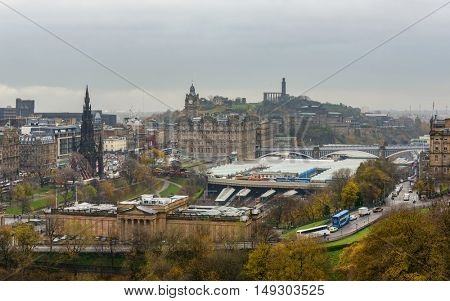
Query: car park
{"points": [[59, 238]]}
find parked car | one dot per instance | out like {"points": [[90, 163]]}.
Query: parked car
{"points": [[353, 217], [377, 209], [410, 190], [333, 229]]}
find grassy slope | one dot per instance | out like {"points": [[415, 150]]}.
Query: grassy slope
{"points": [[34, 205], [42, 203], [170, 190], [140, 189], [349, 239], [197, 195], [314, 224], [335, 249]]}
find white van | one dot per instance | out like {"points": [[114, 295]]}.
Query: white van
{"points": [[363, 211]]}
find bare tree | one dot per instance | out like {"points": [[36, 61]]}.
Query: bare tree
{"points": [[113, 238], [54, 227], [81, 165], [65, 178], [79, 236], [264, 233], [130, 170]]}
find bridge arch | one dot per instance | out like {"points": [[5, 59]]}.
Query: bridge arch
{"points": [[287, 154], [351, 154], [412, 151]]}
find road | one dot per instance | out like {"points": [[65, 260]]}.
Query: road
{"points": [[125, 248], [398, 201], [163, 187], [354, 226], [60, 247], [390, 204]]}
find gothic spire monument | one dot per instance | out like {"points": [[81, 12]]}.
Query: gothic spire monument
{"points": [[88, 146]]}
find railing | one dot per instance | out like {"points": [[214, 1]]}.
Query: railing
{"points": [[83, 212], [266, 184], [178, 216]]}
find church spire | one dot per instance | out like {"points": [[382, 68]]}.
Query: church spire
{"points": [[87, 100]]}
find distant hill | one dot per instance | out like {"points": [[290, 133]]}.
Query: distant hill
{"points": [[304, 103], [359, 130]]}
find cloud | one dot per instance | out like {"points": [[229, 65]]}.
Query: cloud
{"points": [[234, 48], [60, 99]]}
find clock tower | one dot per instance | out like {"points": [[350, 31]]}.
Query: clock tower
{"points": [[191, 103]]}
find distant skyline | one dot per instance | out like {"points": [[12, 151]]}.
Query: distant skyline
{"points": [[230, 48]]}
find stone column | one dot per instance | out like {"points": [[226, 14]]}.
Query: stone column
{"points": [[316, 152]]}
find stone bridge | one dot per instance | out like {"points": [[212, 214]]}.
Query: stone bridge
{"points": [[318, 152]]}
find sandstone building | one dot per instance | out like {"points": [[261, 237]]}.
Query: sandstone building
{"points": [[9, 153], [208, 137], [115, 144], [152, 216], [38, 154], [439, 159]]}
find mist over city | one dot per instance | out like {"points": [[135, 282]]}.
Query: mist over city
{"points": [[230, 48]]}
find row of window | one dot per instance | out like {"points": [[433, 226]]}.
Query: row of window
{"points": [[436, 157], [209, 150], [445, 170]]}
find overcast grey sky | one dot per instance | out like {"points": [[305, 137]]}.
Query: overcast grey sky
{"points": [[231, 48]]}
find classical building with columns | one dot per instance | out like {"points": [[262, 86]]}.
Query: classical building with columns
{"points": [[277, 96], [154, 216]]}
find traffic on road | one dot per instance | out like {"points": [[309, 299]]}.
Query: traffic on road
{"points": [[346, 223]]}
